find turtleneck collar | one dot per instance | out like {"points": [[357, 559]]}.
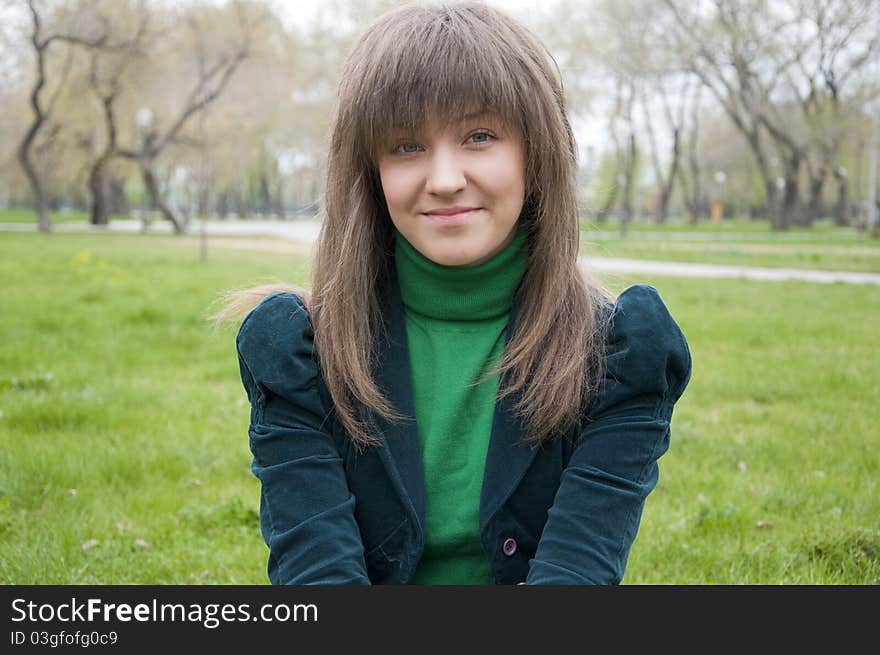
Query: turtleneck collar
{"points": [[460, 293]]}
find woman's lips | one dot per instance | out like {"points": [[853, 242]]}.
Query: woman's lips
{"points": [[451, 217]]}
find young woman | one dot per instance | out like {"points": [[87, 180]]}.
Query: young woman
{"points": [[453, 401]]}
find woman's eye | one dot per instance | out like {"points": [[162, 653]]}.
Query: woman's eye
{"points": [[481, 137], [406, 148]]}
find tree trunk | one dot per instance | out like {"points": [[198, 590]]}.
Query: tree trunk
{"points": [[158, 201], [777, 218], [629, 185], [667, 185], [814, 206], [223, 205], [841, 210], [100, 209], [662, 207], [771, 207], [240, 207], [610, 199], [790, 214], [690, 207], [691, 189], [626, 205], [41, 202], [119, 204], [265, 195], [204, 201]]}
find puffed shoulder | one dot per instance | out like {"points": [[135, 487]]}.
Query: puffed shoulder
{"points": [[276, 344], [646, 353]]}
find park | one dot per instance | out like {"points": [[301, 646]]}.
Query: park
{"points": [[136, 191]]}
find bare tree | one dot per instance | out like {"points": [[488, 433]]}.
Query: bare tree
{"points": [[212, 78], [691, 178], [724, 52], [628, 160], [840, 41], [826, 46], [106, 75], [625, 47], [778, 69], [621, 127], [666, 176], [41, 112]]}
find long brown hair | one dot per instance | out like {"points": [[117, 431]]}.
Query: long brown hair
{"points": [[443, 61]]}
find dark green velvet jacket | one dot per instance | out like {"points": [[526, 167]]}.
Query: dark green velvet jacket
{"points": [[563, 513]]}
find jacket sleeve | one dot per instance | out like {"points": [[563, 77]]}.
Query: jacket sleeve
{"points": [[596, 512], [306, 507]]}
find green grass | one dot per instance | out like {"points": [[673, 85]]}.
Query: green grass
{"points": [[30, 216], [730, 224], [123, 417], [772, 476], [850, 256], [738, 242], [123, 422]]}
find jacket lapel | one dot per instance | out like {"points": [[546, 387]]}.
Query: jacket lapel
{"points": [[506, 459], [401, 452]]}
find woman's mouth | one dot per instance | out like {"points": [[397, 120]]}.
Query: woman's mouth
{"points": [[451, 216]]}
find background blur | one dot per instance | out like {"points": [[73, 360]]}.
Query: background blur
{"points": [[155, 154]]}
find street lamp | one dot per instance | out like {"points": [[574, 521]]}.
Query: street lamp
{"points": [[144, 120], [285, 170]]}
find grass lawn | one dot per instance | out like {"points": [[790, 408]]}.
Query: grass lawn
{"points": [[859, 256], [739, 242], [123, 423], [30, 216], [730, 224]]}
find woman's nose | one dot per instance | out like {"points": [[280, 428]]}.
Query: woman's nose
{"points": [[446, 173]]}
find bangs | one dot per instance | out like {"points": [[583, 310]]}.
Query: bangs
{"points": [[439, 69]]}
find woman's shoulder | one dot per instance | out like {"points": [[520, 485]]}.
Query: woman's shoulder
{"points": [[276, 353], [640, 313], [645, 349], [277, 326]]}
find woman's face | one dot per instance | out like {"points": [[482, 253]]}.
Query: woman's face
{"points": [[455, 193]]}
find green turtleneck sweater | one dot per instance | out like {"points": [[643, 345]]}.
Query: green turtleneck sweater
{"points": [[456, 322]]}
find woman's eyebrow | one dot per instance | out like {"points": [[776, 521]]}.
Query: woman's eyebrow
{"points": [[403, 132], [479, 115]]}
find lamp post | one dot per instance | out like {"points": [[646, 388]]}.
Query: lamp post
{"points": [[285, 170], [144, 119], [203, 188]]}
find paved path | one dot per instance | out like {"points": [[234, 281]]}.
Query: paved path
{"points": [[307, 231]]}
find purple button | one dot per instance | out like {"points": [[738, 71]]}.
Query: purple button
{"points": [[509, 547]]}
